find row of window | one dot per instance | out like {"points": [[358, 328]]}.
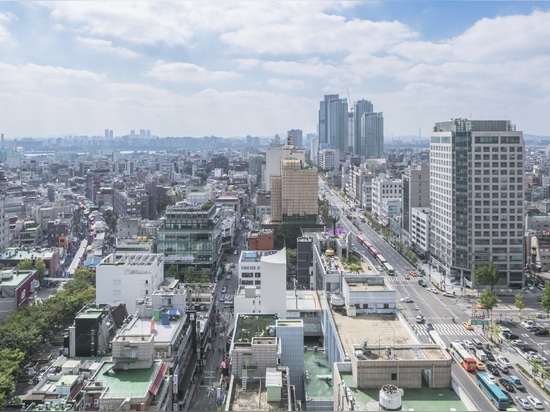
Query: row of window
{"points": [[494, 233], [498, 157]]}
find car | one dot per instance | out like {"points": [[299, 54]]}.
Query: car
{"points": [[527, 323], [510, 399], [224, 289], [537, 404], [467, 326], [507, 385], [490, 355], [542, 332], [468, 344], [480, 306], [519, 343], [227, 277], [449, 294], [379, 268], [433, 290], [514, 380], [429, 327], [527, 349], [524, 403], [406, 276], [480, 365], [422, 283], [533, 328], [493, 369], [504, 361], [419, 319], [413, 273], [406, 299], [492, 379], [534, 357], [503, 368], [510, 335]]}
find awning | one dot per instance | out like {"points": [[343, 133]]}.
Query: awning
{"points": [[158, 379]]}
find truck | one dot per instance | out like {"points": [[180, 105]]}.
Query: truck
{"points": [[481, 355]]}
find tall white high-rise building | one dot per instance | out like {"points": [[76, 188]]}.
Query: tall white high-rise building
{"points": [[476, 199]]}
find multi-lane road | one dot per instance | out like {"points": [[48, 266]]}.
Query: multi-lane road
{"points": [[445, 314]]}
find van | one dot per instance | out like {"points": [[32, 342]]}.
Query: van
{"points": [[477, 343], [514, 380], [481, 355]]}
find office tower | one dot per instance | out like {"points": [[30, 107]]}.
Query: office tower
{"points": [[359, 109], [333, 122], [297, 137], [273, 156], [372, 134], [323, 117], [415, 193], [294, 194], [476, 199]]}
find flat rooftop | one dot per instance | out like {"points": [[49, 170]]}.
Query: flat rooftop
{"points": [[131, 383], [302, 300], [379, 329]]}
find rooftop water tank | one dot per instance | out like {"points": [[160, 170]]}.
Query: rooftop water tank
{"points": [[390, 398]]}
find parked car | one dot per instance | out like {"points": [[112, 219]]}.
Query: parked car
{"points": [[519, 343], [507, 385], [541, 332], [524, 403], [527, 323], [510, 335], [493, 369], [537, 404], [514, 380], [449, 294]]}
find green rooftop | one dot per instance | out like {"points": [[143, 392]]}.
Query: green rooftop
{"points": [[126, 383], [253, 325]]}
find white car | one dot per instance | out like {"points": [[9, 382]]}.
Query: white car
{"points": [[433, 290], [527, 323], [524, 403], [519, 343], [537, 404], [406, 299], [224, 289], [468, 344], [449, 294], [492, 379], [504, 361]]}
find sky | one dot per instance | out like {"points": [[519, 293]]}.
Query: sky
{"points": [[260, 68]]}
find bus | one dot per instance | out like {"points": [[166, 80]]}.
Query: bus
{"points": [[436, 338], [361, 239], [463, 357], [388, 268], [493, 392]]}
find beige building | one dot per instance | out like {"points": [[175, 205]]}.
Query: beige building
{"points": [[294, 194]]}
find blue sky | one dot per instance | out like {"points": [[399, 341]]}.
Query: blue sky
{"points": [[198, 68]]}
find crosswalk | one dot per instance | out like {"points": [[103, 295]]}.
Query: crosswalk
{"points": [[401, 279], [446, 329]]}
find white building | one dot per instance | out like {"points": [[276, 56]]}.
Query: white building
{"points": [[329, 159], [420, 229], [384, 188], [262, 282], [273, 156], [125, 278]]}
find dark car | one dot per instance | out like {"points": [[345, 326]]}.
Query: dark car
{"points": [[429, 327], [493, 369], [541, 332], [510, 335], [507, 385], [510, 399], [490, 356], [527, 349]]}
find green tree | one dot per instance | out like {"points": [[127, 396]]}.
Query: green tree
{"points": [[25, 264], [489, 300], [519, 303], [172, 272], [545, 298], [487, 274], [40, 268], [189, 276]]}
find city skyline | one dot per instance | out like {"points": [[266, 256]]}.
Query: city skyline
{"points": [[233, 69]]}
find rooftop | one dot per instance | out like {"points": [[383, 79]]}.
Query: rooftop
{"points": [[252, 325]]}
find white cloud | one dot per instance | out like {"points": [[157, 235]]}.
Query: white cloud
{"points": [[106, 46], [187, 72], [286, 84]]}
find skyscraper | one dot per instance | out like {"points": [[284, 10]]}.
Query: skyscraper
{"points": [[333, 122], [372, 134], [359, 109], [476, 199]]}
